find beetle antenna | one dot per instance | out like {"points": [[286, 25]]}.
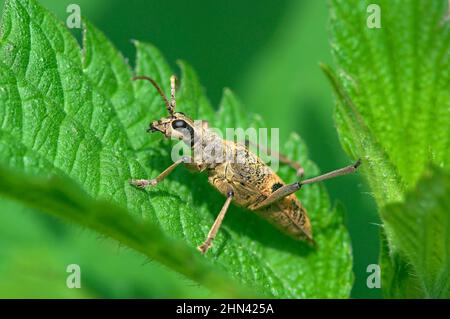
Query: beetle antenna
{"points": [[169, 106], [173, 102]]}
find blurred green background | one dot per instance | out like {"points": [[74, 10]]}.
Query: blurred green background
{"points": [[268, 54]]}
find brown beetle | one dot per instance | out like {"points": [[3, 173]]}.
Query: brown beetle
{"points": [[237, 173]]}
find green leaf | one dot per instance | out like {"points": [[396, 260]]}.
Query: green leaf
{"points": [[63, 199], [75, 114], [393, 90], [392, 110], [35, 250], [421, 226], [396, 278]]}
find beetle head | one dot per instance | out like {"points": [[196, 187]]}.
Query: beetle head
{"points": [[176, 125]]}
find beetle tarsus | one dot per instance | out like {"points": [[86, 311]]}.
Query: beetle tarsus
{"points": [[203, 248], [143, 183]]}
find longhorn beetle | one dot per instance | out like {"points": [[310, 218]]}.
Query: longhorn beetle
{"points": [[249, 183]]}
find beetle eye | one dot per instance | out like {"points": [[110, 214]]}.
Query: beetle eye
{"points": [[179, 124]]}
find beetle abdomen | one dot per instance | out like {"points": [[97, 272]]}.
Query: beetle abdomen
{"points": [[289, 216]]}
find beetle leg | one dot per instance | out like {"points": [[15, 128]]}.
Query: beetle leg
{"points": [[215, 227], [295, 165], [142, 183], [338, 172], [292, 188]]}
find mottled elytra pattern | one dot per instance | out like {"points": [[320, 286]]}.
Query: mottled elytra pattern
{"points": [[276, 186]]}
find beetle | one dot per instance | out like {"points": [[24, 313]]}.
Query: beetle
{"points": [[249, 183]]}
